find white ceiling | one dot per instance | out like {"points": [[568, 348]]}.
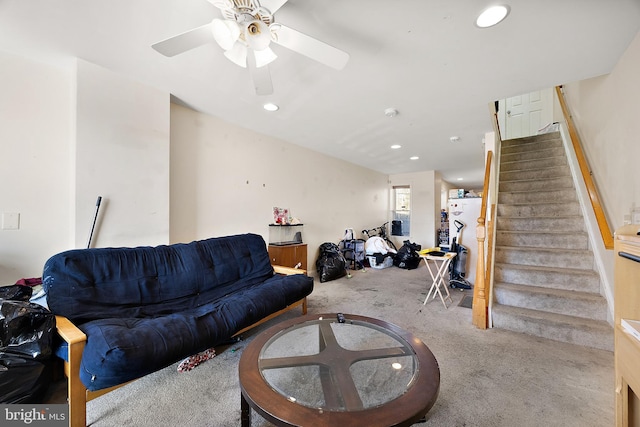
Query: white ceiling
{"points": [[426, 58]]}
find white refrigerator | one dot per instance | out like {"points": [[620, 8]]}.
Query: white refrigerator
{"points": [[466, 211]]}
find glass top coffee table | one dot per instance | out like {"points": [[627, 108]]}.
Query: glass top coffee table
{"points": [[330, 370]]}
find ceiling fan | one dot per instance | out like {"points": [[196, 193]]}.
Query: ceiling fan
{"points": [[245, 34]]}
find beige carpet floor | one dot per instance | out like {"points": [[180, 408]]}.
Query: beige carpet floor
{"points": [[489, 378]]}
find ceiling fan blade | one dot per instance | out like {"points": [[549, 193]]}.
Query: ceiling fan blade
{"points": [[273, 5], [222, 4], [185, 41], [261, 77], [310, 47]]}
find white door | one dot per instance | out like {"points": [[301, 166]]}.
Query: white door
{"points": [[524, 115]]}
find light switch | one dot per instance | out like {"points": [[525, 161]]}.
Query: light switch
{"points": [[10, 220]]}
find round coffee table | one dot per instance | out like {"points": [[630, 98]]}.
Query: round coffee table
{"points": [[322, 370]]}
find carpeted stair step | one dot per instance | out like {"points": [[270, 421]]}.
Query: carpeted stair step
{"points": [[558, 327], [566, 223], [541, 153], [569, 279], [545, 281], [549, 239], [537, 184], [549, 196], [534, 142], [534, 164], [572, 303], [541, 173], [544, 257], [540, 209]]}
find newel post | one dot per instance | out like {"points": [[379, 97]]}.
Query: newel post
{"points": [[479, 294]]}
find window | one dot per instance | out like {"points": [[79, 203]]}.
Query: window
{"points": [[401, 211]]}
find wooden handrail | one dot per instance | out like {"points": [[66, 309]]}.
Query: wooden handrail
{"points": [[601, 219], [480, 292]]}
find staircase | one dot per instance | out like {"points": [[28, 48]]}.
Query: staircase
{"points": [[545, 282]]}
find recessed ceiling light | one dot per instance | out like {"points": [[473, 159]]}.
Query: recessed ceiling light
{"points": [[396, 146], [414, 158], [270, 106], [492, 16], [460, 179]]}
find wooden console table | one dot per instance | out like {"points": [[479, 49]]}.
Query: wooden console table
{"points": [[289, 255], [627, 310]]}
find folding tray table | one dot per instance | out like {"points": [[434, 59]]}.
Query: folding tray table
{"points": [[441, 264]]}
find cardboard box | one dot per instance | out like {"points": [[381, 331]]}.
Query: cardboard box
{"points": [[456, 193]]}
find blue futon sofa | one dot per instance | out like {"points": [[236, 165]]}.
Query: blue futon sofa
{"points": [[126, 312]]}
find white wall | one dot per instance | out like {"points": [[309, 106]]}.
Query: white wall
{"points": [[67, 136], [426, 189], [226, 180], [166, 173], [121, 154], [35, 166], [606, 110]]}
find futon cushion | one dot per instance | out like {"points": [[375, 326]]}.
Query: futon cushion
{"points": [[122, 349], [90, 284]]}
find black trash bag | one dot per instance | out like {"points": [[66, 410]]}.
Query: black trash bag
{"points": [[407, 256], [330, 264], [22, 379], [26, 329], [16, 292]]}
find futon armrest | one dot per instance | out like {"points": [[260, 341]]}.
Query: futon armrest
{"points": [[76, 391], [287, 271], [68, 331]]}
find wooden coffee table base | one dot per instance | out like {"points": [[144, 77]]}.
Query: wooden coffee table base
{"points": [[245, 412], [409, 407]]}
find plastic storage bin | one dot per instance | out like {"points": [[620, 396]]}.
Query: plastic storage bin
{"points": [[387, 262]]}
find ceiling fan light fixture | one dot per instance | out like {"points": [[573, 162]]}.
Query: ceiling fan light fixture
{"points": [[225, 32], [264, 57], [492, 16], [237, 54], [245, 25], [257, 35]]}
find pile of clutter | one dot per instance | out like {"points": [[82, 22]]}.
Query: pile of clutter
{"points": [[27, 332], [335, 260]]}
